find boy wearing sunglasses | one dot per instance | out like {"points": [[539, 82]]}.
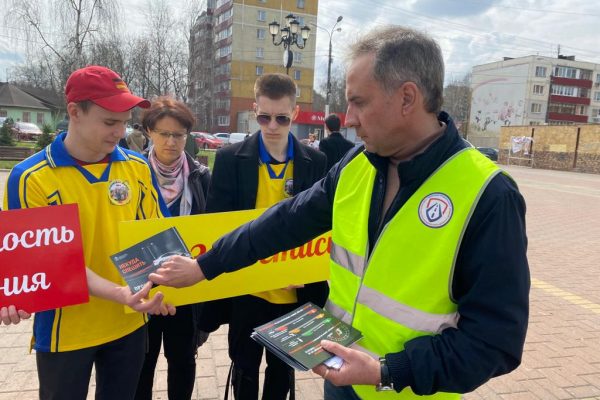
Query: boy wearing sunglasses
{"points": [[270, 166]]}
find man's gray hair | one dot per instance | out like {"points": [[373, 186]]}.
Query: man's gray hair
{"points": [[404, 55]]}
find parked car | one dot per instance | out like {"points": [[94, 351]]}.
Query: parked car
{"points": [[26, 131], [223, 136], [205, 140], [489, 152], [236, 137]]}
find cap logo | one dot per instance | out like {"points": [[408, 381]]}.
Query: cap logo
{"points": [[119, 84], [435, 210]]}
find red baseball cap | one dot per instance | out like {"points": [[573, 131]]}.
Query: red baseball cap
{"points": [[103, 87]]}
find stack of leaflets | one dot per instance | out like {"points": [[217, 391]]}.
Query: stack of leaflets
{"points": [[296, 337], [140, 260]]}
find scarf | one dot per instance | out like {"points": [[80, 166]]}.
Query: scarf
{"points": [[173, 181]]}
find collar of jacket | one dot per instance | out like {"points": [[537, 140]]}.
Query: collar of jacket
{"points": [[423, 164]]}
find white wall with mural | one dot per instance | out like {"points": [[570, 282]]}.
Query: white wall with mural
{"points": [[498, 98]]}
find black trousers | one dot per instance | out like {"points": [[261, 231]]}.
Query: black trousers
{"points": [[66, 375], [248, 312], [178, 334]]}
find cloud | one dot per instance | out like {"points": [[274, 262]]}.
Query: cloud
{"points": [[452, 8]]}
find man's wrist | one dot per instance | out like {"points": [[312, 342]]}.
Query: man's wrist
{"points": [[385, 382]]}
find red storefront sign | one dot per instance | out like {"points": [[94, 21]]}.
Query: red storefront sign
{"points": [[41, 258], [315, 118]]}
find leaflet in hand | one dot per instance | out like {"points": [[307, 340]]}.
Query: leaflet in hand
{"points": [[140, 260], [296, 337]]}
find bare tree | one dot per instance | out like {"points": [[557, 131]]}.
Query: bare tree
{"points": [[457, 100], [337, 97], [57, 33]]}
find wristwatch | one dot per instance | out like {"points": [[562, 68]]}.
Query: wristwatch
{"points": [[386, 383]]}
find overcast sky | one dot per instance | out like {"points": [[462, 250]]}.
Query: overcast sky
{"points": [[470, 32]]}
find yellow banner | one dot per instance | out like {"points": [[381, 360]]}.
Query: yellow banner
{"points": [[305, 264]]}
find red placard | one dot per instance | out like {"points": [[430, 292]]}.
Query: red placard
{"points": [[41, 258]]}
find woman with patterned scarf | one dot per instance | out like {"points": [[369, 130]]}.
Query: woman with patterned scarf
{"points": [[183, 184]]}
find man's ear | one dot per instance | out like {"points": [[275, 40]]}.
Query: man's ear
{"points": [[409, 94], [73, 110]]}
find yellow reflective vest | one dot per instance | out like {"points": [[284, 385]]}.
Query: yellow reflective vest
{"points": [[401, 289]]}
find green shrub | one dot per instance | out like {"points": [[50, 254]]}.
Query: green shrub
{"points": [[5, 135], [45, 138]]}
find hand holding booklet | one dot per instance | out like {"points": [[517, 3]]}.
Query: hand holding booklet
{"points": [[296, 337], [140, 260]]}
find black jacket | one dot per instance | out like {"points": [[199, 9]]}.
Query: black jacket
{"points": [[491, 277], [334, 146], [234, 187]]}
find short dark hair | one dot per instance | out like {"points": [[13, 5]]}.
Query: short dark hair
{"points": [[333, 123], [165, 106], [84, 105], [275, 87]]}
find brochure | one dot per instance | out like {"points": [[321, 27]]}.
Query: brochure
{"points": [[296, 337], [140, 260]]}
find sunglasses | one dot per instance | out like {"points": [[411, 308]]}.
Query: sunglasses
{"points": [[265, 119]]}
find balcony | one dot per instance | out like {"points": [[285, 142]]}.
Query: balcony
{"points": [[555, 98], [581, 83], [582, 119]]}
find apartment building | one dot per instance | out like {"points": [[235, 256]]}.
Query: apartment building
{"points": [[231, 46], [534, 90]]}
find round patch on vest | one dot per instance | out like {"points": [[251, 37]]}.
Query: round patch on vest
{"points": [[119, 192], [435, 210], [288, 188]]}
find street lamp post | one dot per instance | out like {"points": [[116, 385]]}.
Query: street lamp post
{"points": [[291, 34], [330, 33]]}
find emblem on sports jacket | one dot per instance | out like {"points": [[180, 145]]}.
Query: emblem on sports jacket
{"points": [[435, 210], [288, 188], [119, 192]]}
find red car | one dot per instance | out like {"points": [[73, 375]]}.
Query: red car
{"points": [[205, 140]]}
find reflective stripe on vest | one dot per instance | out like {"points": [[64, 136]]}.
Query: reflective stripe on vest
{"points": [[402, 290]]}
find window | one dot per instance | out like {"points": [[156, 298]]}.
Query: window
{"points": [[260, 52], [540, 72], [565, 72], [581, 110], [224, 51], [297, 75], [259, 70], [26, 116], [297, 57], [538, 89], [562, 108], [300, 3], [40, 119], [262, 15], [225, 16], [596, 96], [261, 33], [562, 90], [536, 108], [597, 78], [223, 120], [298, 91], [300, 20]]}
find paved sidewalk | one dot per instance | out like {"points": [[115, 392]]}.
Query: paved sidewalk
{"points": [[562, 353]]}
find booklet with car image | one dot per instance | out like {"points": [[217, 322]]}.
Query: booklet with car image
{"points": [[296, 337], [140, 260]]}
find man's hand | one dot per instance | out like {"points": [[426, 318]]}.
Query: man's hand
{"points": [[358, 369], [141, 303], [10, 315], [178, 272]]}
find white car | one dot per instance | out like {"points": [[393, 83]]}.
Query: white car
{"points": [[235, 137], [223, 136]]}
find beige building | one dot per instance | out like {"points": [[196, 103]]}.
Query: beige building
{"points": [[231, 46], [533, 90]]}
